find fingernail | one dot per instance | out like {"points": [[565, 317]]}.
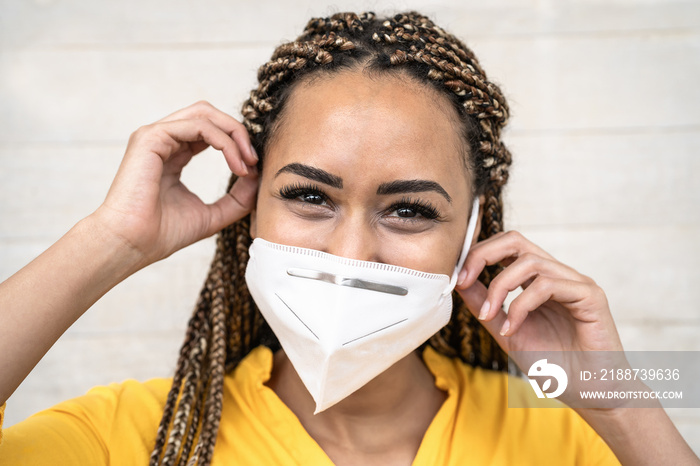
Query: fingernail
{"points": [[461, 277], [505, 328], [255, 154], [244, 169], [484, 310]]}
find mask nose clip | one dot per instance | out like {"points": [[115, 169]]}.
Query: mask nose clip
{"points": [[348, 281]]}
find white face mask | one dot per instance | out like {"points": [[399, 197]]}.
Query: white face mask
{"points": [[341, 321]]}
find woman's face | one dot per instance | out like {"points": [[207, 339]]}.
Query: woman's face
{"points": [[369, 169]]}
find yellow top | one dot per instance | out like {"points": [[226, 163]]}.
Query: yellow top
{"points": [[117, 425]]}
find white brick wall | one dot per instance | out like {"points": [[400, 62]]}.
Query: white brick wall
{"points": [[605, 136]]}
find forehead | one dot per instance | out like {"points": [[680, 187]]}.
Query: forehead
{"points": [[350, 120]]}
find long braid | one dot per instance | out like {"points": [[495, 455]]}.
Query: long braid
{"points": [[226, 324]]}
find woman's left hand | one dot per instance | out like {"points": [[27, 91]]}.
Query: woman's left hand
{"points": [[563, 310], [558, 310]]}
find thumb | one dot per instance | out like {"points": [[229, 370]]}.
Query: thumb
{"points": [[235, 204], [474, 297]]}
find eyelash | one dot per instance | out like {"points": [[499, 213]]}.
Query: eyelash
{"points": [[422, 208], [298, 189]]}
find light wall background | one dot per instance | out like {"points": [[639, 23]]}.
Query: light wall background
{"points": [[605, 135]]}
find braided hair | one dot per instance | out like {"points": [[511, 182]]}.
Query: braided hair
{"points": [[226, 324]]}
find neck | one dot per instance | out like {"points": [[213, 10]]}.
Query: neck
{"points": [[395, 408]]}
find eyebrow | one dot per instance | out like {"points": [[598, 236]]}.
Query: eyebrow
{"points": [[393, 187], [312, 173], [412, 186]]}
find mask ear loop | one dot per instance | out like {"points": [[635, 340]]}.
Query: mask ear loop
{"points": [[471, 228]]}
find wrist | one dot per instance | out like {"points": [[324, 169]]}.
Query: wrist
{"points": [[640, 436], [111, 255]]}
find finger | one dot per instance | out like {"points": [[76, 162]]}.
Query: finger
{"points": [[474, 298], [497, 249], [235, 129], [544, 289], [168, 138], [521, 273], [197, 147], [234, 205]]}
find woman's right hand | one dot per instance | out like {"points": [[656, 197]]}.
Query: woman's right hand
{"points": [[148, 214], [150, 209]]}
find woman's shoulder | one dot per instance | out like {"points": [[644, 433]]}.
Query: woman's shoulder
{"points": [[502, 416], [483, 387], [131, 391], [131, 400], [115, 423]]}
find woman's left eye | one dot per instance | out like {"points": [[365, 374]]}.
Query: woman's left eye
{"points": [[406, 212], [413, 210]]}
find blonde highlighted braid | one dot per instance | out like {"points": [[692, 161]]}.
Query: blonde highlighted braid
{"points": [[226, 324]]}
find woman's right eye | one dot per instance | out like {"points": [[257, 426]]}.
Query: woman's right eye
{"points": [[307, 194], [312, 198]]}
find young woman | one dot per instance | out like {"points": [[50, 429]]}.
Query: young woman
{"points": [[369, 155]]}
